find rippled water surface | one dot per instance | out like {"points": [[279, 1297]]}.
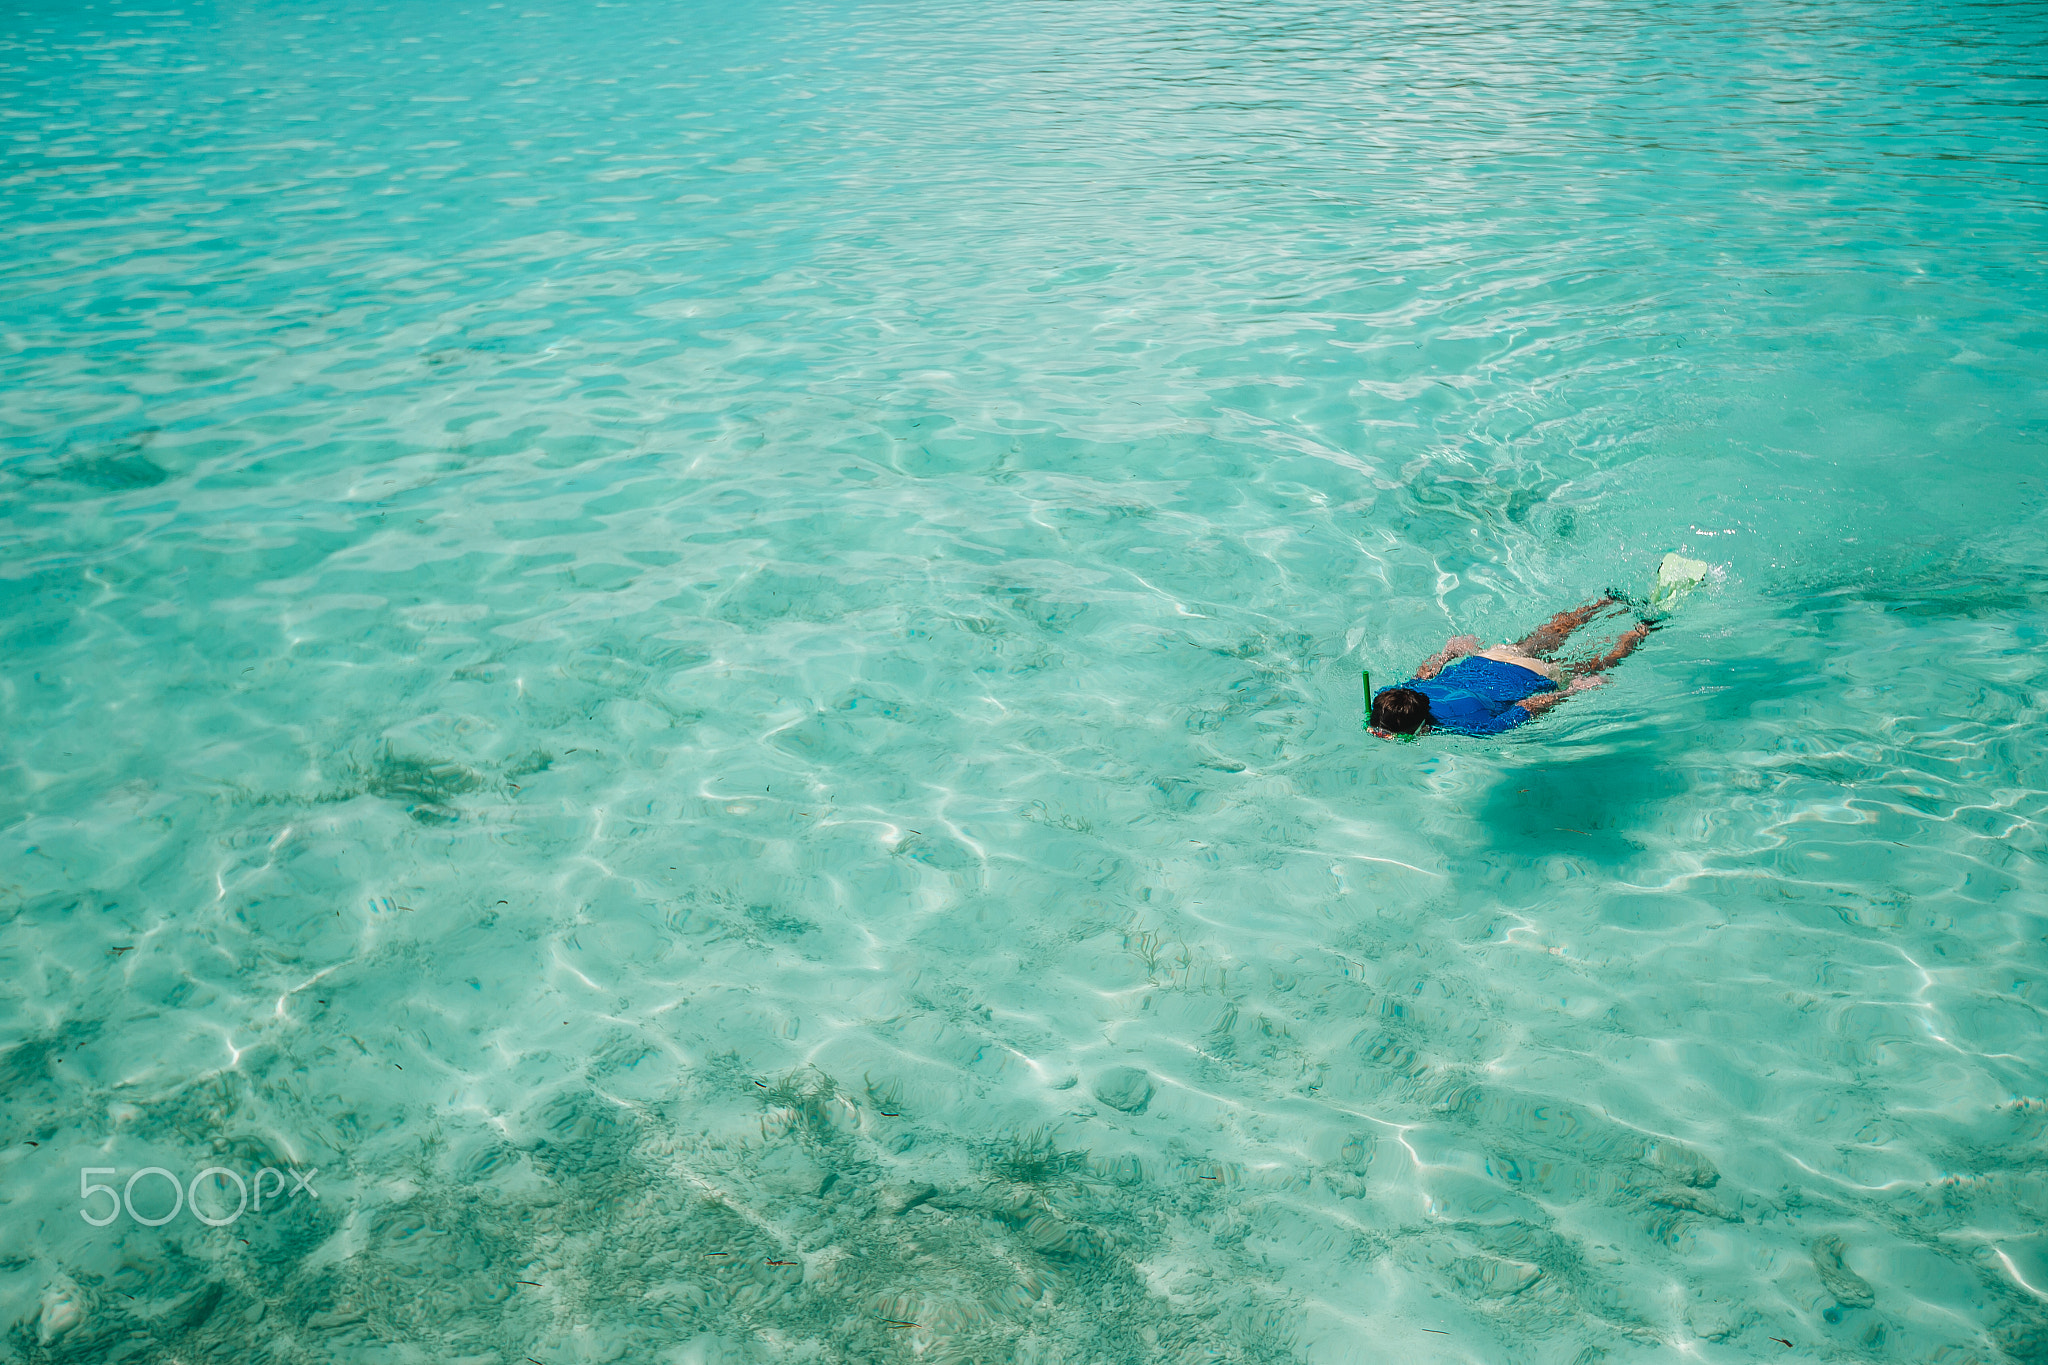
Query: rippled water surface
{"points": [[710, 655]]}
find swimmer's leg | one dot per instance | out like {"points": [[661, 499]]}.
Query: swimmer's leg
{"points": [[1558, 629], [1623, 647]]}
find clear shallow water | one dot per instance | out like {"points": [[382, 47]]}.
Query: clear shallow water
{"points": [[661, 637]]}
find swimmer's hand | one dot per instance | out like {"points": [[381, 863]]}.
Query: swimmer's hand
{"points": [[1543, 701], [1455, 648]]}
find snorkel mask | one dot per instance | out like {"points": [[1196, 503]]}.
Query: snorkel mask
{"points": [[1365, 677]]}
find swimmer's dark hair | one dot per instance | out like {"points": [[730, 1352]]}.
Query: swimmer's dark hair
{"points": [[1400, 711]]}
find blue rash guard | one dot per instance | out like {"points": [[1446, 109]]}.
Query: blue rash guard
{"points": [[1475, 696]]}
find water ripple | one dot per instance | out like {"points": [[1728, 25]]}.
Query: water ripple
{"points": [[712, 659]]}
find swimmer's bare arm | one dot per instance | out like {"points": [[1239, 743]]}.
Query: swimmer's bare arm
{"points": [[1543, 701], [1456, 648]]}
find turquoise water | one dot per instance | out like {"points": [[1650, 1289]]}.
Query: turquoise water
{"points": [[709, 655]]}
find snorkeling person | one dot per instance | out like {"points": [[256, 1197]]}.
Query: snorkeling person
{"points": [[1489, 691]]}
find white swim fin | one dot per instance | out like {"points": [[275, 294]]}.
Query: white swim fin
{"points": [[1676, 576]]}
